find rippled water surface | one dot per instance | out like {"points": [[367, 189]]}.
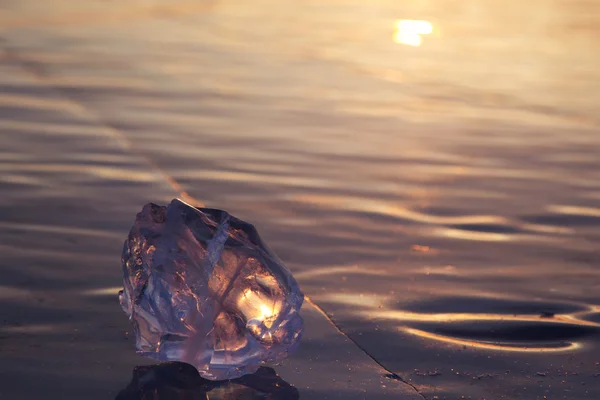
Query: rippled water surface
{"points": [[440, 202]]}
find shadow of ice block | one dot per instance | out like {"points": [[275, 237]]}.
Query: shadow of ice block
{"points": [[181, 381]]}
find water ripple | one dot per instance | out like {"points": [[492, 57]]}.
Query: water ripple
{"points": [[487, 323]]}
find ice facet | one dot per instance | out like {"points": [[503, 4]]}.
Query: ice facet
{"points": [[201, 287]]}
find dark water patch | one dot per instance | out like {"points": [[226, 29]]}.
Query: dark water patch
{"points": [[31, 310], [23, 91], [16, 112], [591, 317], [525, 333], [481, 305]]}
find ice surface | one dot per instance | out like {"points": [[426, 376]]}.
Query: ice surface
{"points": [[201, 287]]}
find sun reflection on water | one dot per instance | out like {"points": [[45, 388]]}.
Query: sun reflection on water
{"points": [[409, 31]]}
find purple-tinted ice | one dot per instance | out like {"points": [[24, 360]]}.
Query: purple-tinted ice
{"points": [[201, 287]]}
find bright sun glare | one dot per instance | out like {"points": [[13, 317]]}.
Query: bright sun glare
{"points": [[267, 312], [409, 31]]}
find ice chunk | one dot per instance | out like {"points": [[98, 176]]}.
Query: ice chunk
{"points": [[201, 287]]}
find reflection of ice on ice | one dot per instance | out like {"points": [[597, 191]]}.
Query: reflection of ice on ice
{"points": [[201, 287]]}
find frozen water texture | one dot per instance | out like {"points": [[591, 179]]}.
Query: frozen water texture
{"points": [[201, 287]]}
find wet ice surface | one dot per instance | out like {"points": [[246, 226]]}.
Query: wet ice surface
{"points": [[60, 326], [439, 202], [201, 287]]}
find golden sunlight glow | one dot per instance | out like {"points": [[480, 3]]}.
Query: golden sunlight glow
{"points": [[409, 31], [257, 306], [267, 312], [108, 291], [399, 315], [33, 328], [352, 299], [365, 204], [342, 269], [488, 346], [575, 210]]}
